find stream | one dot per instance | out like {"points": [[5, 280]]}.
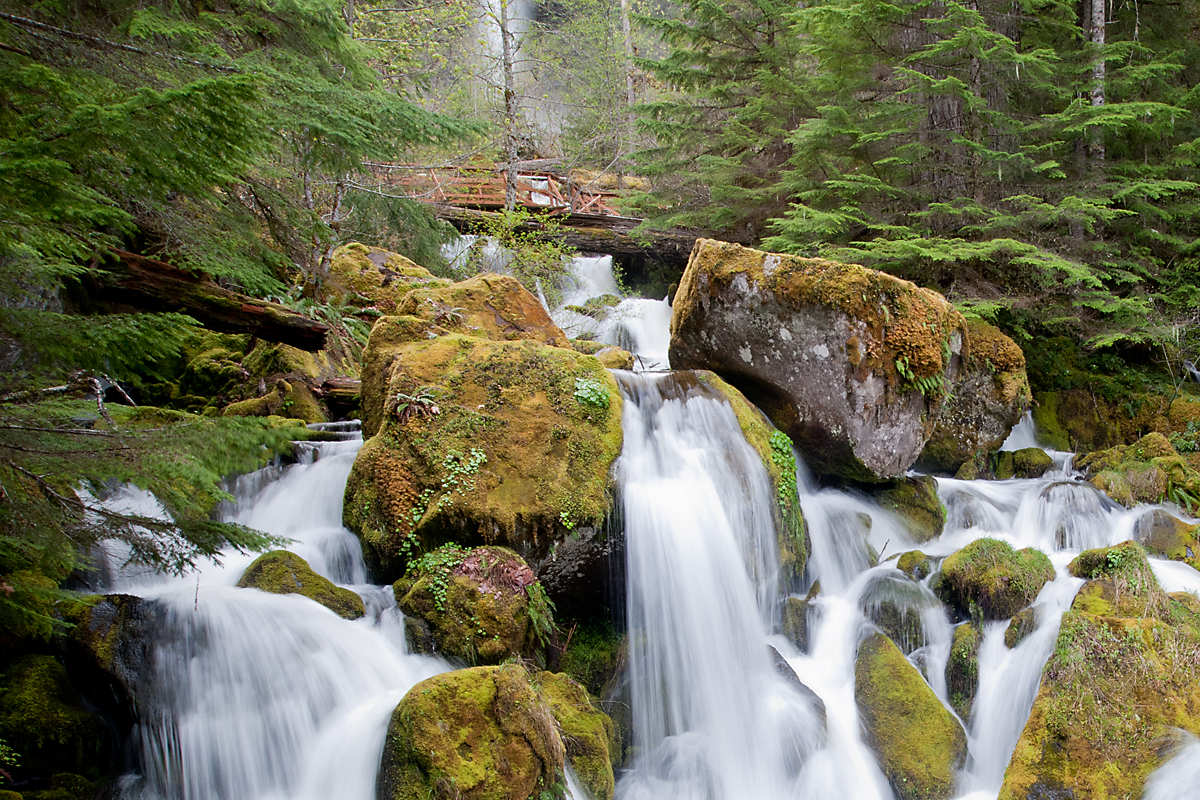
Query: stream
{"points": [[255, 696]]}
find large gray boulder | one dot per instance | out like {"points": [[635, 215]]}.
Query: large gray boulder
{"points": [[852, 363]]}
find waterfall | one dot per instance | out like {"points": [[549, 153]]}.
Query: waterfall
{"points": [[711, 716], [254, 696]]}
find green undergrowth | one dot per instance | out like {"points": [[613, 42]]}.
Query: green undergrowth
{"points": [[51, 449]]}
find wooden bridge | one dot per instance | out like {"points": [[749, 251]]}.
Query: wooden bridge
{"points": [[585, 204], [482, 187]]}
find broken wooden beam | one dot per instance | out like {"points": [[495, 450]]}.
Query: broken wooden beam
{"points": [[128, 279], [592, 233]]}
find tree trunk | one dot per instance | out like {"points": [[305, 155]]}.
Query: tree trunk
{"points": [[630, 96], [1096, 148], [131, 280], [511, 109]]}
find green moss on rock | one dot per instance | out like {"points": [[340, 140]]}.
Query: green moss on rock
{"points": [[475, 605], [1031, 462], [594, 655], [493, 445], [993, 576], [286, 399], [473, 734], [915, 500], [372, 277], [588, 735], [915, 565], [1019, 627], [920, 744], [43, 718], [795, 622], [1122, 678], [283, 572], [1147, 471], [1166, 535], [962, 668]]}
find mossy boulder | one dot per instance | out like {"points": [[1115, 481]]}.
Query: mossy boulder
{"points": [[43, 718], [962, 668], [853, 364], [283, 572], [588, 735], [1029, 462], [915, 565], [988, 400], [915, 500], [479, 606], [775, 450], [477, 734], [1020, 626], [486, 441], [990, 575], [919, 743], [111, 648], [291, 399], [894, 604], [371, 277], [489, 306], [1147, 471], [1122, 678], [1166, 535]]}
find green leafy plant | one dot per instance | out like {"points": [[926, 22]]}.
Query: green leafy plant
{"points": [[541, 613], [419, 405], [591, 392], [438, 565]]}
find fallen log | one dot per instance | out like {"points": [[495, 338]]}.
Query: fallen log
{"points": [[591, 233], [129, 279]]}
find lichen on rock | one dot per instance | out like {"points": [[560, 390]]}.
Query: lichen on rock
{"points": [[993, 577], [371, 277], [1029, 462], [962, 667], [284, 572], [919, 743], [850, 362], [482, 733], [478, 606]]}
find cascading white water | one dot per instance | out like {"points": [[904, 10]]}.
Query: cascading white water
{"points": [[636, 324], [1179, 777], [253, 696], [711, 716]]}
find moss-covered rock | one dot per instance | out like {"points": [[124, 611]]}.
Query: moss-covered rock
{"points": [[1147, 471], [1029, 462], [486, 440], [919, 743], [588, 735], [1123, 675], [479, 606], [992, 576], [795, 622], [962, 668], [371, 277], [43, 718], [291, 399], [1021, 625], [915, 564], [1166, 535], [113, 641], [986, 403], [489, 306], [775, 450], [283, 572], [853, 364], [478, 734], [915, 500]]}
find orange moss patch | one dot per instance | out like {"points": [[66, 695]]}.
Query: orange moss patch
{"points": [[491, 306]]}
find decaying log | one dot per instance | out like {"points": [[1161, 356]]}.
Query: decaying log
{"points": [[591, 233], [133, 280]]}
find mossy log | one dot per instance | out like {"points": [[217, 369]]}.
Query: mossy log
{"points": [[129, 279]]}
